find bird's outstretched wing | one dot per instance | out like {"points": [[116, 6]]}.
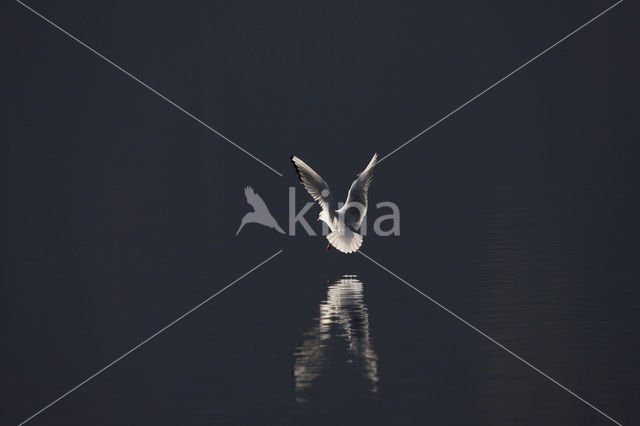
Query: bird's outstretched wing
{"points": [[315, 186], [358, 192]]}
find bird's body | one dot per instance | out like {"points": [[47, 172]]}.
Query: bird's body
{"points": [[345, 221]]}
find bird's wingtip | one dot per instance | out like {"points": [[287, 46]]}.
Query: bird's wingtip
{"points": [[374, 159], [294, 161]]}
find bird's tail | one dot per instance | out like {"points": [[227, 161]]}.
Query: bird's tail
{"points": [[345, 240]]}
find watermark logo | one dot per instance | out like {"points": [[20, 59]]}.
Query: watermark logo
{"points": [[260, 213], [385, 214]]}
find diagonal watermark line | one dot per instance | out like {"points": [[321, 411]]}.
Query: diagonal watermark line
{"points": [[474, 328], [127, 73], [499, 81], [148, 339]]}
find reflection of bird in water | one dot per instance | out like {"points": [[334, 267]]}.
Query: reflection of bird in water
{"points": [[260, 213], [344, 308]]}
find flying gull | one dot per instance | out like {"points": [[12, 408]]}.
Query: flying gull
{"points": [[343, 222]]}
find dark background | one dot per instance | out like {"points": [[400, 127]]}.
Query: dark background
{"points": [[519, 212]]}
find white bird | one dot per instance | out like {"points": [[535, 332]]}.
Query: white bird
{"points": [[345, 221]]}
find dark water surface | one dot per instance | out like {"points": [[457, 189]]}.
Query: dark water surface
{"points": [[519, 213]]}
